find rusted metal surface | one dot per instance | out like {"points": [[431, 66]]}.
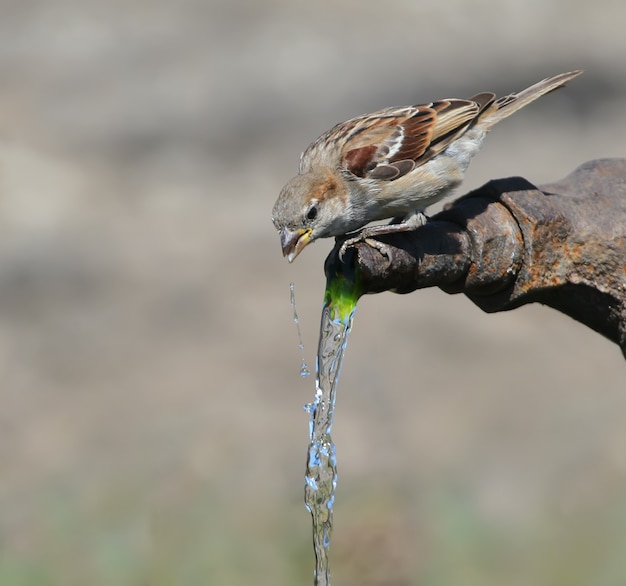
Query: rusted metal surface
{"points": [[434, 255], [510, 243]]}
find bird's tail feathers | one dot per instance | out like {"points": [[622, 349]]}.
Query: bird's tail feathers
{"points": [[507, 105]]}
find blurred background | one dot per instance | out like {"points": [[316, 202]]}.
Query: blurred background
{"points": [[152, 431]]}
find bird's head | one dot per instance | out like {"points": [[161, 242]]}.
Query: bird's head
{"points": [[310, 206]]}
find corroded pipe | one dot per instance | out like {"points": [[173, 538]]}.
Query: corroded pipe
{"points": [[510, 243]]}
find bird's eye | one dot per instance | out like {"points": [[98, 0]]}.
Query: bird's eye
{"points": [[311, 213]]}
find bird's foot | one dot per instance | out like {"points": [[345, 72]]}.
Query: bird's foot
{"points": [[411, 222]]}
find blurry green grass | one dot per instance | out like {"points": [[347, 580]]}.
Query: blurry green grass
{"points": [[380, 539]]}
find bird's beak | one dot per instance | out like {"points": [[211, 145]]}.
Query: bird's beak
{"points": [[293, 241]]}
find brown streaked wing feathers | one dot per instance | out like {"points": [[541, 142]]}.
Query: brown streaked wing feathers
{"points": [[358, 160], [417, 131], [452, 116], [384, 172], [426, 131], [483, 100]]}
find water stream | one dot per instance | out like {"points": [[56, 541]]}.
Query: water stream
{"points": [[321, 465]]}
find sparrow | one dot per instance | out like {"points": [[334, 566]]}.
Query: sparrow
{"points": [[393, 163]]}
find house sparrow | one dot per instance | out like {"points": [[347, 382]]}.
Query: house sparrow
{"points": [[393, 163]]}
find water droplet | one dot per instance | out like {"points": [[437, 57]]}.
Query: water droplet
{"points": [[304, 370]]}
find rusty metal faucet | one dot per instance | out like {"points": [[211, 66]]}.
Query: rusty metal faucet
{"points": [[510, 243]]}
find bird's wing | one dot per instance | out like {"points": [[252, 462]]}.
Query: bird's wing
{"points": [[390, 143]]}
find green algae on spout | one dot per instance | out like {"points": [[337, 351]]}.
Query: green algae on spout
{"points": [[341, 296], [340, 299]]}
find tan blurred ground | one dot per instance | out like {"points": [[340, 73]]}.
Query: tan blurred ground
{"points": [[151, 429]]}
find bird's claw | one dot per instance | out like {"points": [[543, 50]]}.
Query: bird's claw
{"points": [[345, 244], [383, 248], [410, 223]]}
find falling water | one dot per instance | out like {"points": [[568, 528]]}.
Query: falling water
{"points": [[321, 467], [304, 368]]}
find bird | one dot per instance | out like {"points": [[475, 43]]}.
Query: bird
{"points": [[392, 163]]}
